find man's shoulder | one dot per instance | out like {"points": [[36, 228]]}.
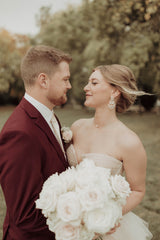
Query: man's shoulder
{"points": [[18, 121]]}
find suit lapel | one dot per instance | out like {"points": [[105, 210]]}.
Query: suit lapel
{"points": [[43, 125]]}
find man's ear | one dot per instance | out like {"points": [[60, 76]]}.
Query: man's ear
{"points": [[43, 80]]}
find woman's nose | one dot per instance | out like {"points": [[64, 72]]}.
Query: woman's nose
{"points": [[86, 87]]}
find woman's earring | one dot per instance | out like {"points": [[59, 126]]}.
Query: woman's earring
{"points": [[111, 104]]}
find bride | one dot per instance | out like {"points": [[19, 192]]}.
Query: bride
{"points": [[104, 138]]}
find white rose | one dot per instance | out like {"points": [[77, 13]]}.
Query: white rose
{"points": [[65, 231], [103, 175], [86, 163], [91, 198], [102, 220], [52, 220], [47, 201], [103, 181], [68, 177], [68, 207], [48, 196], [85, 175], [83, 179], [120, 187], [50, 180], [85, 234], [55, 184], [90, 174], [66, 134]]}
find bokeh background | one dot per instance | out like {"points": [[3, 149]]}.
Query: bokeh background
{"points": [[94, 32]]}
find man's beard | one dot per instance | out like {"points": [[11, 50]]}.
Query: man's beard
{"points": [[60, 101]]}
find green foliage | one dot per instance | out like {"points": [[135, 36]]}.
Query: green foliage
{"points": [[106, 32], [44, 16], [135, 53], [5, 66], [12, 47], [99, 32]]}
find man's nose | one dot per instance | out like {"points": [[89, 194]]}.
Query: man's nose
{"points": [[69, 86]]}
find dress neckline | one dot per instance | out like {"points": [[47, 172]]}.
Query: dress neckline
{"points": [[103, 154]]}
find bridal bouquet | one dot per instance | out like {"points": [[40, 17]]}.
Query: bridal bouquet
{"points": [[82, 201]]}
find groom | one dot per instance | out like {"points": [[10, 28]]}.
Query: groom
{"points": [[31, 147]]}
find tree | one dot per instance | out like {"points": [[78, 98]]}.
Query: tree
{"points": [[105, 32], [12, 48]]}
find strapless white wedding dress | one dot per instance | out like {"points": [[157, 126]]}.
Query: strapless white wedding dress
{"points": [[132, 227]]}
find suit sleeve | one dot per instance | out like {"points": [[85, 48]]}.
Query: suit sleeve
{"points": [[21, 180]]}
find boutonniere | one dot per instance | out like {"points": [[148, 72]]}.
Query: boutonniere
{"points": [[66, 134]]}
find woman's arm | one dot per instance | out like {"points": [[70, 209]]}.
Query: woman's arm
{"points": [[135, 161]]}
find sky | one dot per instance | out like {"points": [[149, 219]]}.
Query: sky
{"points": [[18, 16]]}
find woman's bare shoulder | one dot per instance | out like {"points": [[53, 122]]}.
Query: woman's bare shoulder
{"points": [[80, 123], [129, 137], [130, 141]]}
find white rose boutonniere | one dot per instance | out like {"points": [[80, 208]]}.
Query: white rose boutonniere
{"points": [[66, 134]]}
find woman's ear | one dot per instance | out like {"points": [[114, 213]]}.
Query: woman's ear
{"points": [[43, 80], [116, 93]]}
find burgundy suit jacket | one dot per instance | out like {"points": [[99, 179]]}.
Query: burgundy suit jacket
{"points": [[29, 154]]}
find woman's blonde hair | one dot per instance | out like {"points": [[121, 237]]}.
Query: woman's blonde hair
{"points": [[124, 80]]}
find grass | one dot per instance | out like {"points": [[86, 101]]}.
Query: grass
{"points": [[147, 126]]}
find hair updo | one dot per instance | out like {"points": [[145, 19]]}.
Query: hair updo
{"points": [[124, 80]]}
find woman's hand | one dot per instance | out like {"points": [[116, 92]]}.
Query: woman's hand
{"points": [[98, 237], [114, 229]]}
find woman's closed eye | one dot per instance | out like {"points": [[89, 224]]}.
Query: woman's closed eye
{"points": [[94, 82]]}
